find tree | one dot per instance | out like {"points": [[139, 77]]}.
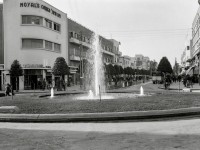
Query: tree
{"points": [[153, 66], [16, 71], [165, 66], [60, 67], [121, 70], [117, 69]]}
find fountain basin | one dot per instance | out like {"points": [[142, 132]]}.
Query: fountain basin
{"points": [[104, 96]]}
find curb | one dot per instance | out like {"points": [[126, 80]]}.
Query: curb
{"points": [[89, 117]]}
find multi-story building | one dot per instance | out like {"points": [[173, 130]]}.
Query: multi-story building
{"points": [[195, 44], [185, 57], [140, 62], [146, 63], [125, 61], [1, 47], [107, 50], [80, 42], [116, 51], [35, 33], [80, 48]]}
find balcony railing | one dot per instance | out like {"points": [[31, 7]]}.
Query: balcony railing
{"points": [[77, 41], [75, 58], [74, 40], [107, 52]]}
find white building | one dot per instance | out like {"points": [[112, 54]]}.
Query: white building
{"points": [[35, 33]]}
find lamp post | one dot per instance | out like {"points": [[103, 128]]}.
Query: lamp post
{"points": [[81, 63]]}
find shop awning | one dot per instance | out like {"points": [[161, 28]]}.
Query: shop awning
{"points": [[190, 71]]}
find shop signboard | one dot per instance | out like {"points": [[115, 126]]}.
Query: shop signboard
{"points": [[40, 6], [35, 66]]}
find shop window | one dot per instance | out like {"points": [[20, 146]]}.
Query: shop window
{"points": [[56, 27], [57, 47], [48, 45], [48, 23], [32, 43], [36, 20]]}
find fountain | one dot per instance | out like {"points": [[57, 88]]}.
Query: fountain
{"points": [[94, 77], [52, 92], [90, 94], [141, 91]]}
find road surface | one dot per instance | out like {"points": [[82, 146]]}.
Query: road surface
{"points": [[168, 135]]}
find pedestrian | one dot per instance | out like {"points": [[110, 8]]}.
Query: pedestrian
{"points": [[8, 90]]}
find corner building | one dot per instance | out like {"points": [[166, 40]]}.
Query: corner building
{"points": [[35, 33]]}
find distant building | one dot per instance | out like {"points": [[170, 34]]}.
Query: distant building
{"points": [[125, 61], [140, 62]]}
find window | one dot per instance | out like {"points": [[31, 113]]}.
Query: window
{"points": [[48, 45], [48, 23], [57, 47], [72, 34], [32, 43], [36, 20], [56, 27]]}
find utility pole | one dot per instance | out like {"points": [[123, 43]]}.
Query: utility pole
{"points": [[81, 61]]}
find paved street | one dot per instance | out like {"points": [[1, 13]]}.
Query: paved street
{"points": [[181, 134]]}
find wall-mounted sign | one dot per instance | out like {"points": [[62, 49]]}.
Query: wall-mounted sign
{"points": [[35, 66], [37, 5]]}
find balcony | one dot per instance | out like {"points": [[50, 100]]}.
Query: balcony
{"points": [[74, 40], [86, 44], [74, 58], [107, 52]]}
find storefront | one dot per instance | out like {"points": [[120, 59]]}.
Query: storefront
{"points": [[37, 76]]}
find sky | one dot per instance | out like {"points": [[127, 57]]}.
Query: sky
{"points": [[153, 28]]}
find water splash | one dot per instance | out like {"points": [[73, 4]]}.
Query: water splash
{"points": [[141, 91], [52, 93], [98, 66], [90, 94]]}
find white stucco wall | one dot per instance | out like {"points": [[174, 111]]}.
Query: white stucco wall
{"points": [[14, 31]]}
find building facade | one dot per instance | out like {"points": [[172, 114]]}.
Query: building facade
{"points": [[35, 34], [195, 44], [80, 43], [1, 48], [140, 62], [80, 48], [125, 61]]}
